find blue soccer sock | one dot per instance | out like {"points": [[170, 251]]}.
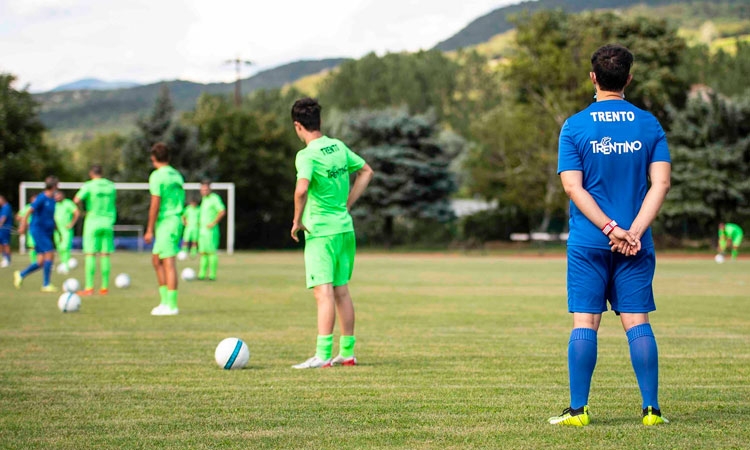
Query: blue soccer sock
{"points": [[645, 359], [47, 272], [33, 267], [581, 363]]}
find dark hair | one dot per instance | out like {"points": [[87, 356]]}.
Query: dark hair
{"points": [[160, 152], [306, 111], [50, 182], [206, 182], [97, 169], [612, 64]]}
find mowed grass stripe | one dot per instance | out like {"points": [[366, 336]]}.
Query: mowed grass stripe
{"points": [[455, 351]]}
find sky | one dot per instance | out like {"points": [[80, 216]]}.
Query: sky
{"points": [[46, 43]]}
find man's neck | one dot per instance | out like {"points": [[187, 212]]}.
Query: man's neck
{"points": [[311, 136], [602, 95], [158, 165]]}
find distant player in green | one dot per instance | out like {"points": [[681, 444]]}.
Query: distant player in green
{"points": [[164, 226], [731, 234], [30, 246], [190, 222], [99, 196], [211, 212], [66, 216], [322, 200]]}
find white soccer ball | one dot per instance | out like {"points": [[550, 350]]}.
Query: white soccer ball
{"points": [[122, 281], [69, 302], [188, 274], [232, 353], [71, 285], [72, 263], [62, 269], [182, 255], [719, 258]]}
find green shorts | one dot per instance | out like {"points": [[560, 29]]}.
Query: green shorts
{"points": [[167, 237], [64, 239], [330, 259], [98, 239], [190, 234], [30, 241], [208, 240]]}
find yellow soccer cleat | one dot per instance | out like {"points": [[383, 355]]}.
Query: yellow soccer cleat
{"points": [[49, 288], [17, 279], [572, 417], [652, 416]]}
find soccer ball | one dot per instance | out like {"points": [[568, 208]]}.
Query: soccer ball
{"points": [[62, 269], [69, 302], [182, 255], [72, 263], [71, 285], [188, 274], [232, 353], [122, 280], [719, 258]]}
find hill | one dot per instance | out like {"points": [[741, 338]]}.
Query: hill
{"points": [[95, 84], [116, 110], [498, 21]]}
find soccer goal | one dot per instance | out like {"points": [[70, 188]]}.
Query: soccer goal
{"points": [[25, 186]]}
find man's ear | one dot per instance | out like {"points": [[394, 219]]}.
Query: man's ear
{"points": [[592, 76], [630, 78]]}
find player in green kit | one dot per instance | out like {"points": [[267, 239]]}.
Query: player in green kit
{"points": [[190, 222], [99, 196], [322, 200], [29, 239], [164, 226], [211, 212], [66, 216], [730, 233]]}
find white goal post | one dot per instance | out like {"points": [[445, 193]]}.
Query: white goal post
{"points": [[229, 187]]}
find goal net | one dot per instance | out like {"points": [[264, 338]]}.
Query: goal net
{"points": [[225, 190]]}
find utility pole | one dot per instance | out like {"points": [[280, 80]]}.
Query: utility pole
{"points": [[238, 63]]}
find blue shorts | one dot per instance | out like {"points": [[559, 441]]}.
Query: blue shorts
{"points": [[596, 276], [4, 236], [43, 240]]}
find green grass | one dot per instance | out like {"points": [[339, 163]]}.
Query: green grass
{"points": [[456, 352]]}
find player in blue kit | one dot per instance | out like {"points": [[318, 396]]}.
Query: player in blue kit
{"points": [[42, 230], [608, 153], [6, 223]]}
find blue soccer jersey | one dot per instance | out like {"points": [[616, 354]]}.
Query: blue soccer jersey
{"points": [[612, 143], [44, 214], [7, 212]]}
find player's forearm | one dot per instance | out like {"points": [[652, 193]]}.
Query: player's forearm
{"points": [[364, 176], [588, 206], [218, 218], [650, 208], [153, 213], [300, 200]]}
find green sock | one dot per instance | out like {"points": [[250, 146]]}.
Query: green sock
{"points": [[172, 299], [325, 347], [735, 252], [105, 267], [90, 271], [193, 250], [213, 264], [65, 257], [203, 266], [346, 346], [32, 255], [163, 294]]}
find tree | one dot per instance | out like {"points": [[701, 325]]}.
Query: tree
{"points": [[411, 159], [24, 155], [253, 151], [710, 149], [103, 149]]}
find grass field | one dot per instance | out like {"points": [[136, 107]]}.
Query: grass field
{"points": [[456, 352]]}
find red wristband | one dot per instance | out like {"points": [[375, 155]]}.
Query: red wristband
{"points": [[609, 228]]}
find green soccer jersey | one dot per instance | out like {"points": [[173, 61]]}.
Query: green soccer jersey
{"points": [[166, 182], [211, 205], [191, 214], [98, 196], [732, 231], [64, 212], [327, 163], [22, 212]]}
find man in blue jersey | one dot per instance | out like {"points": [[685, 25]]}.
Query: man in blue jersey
{"points": [[608, 153], [42, 230], [6, 223]]}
